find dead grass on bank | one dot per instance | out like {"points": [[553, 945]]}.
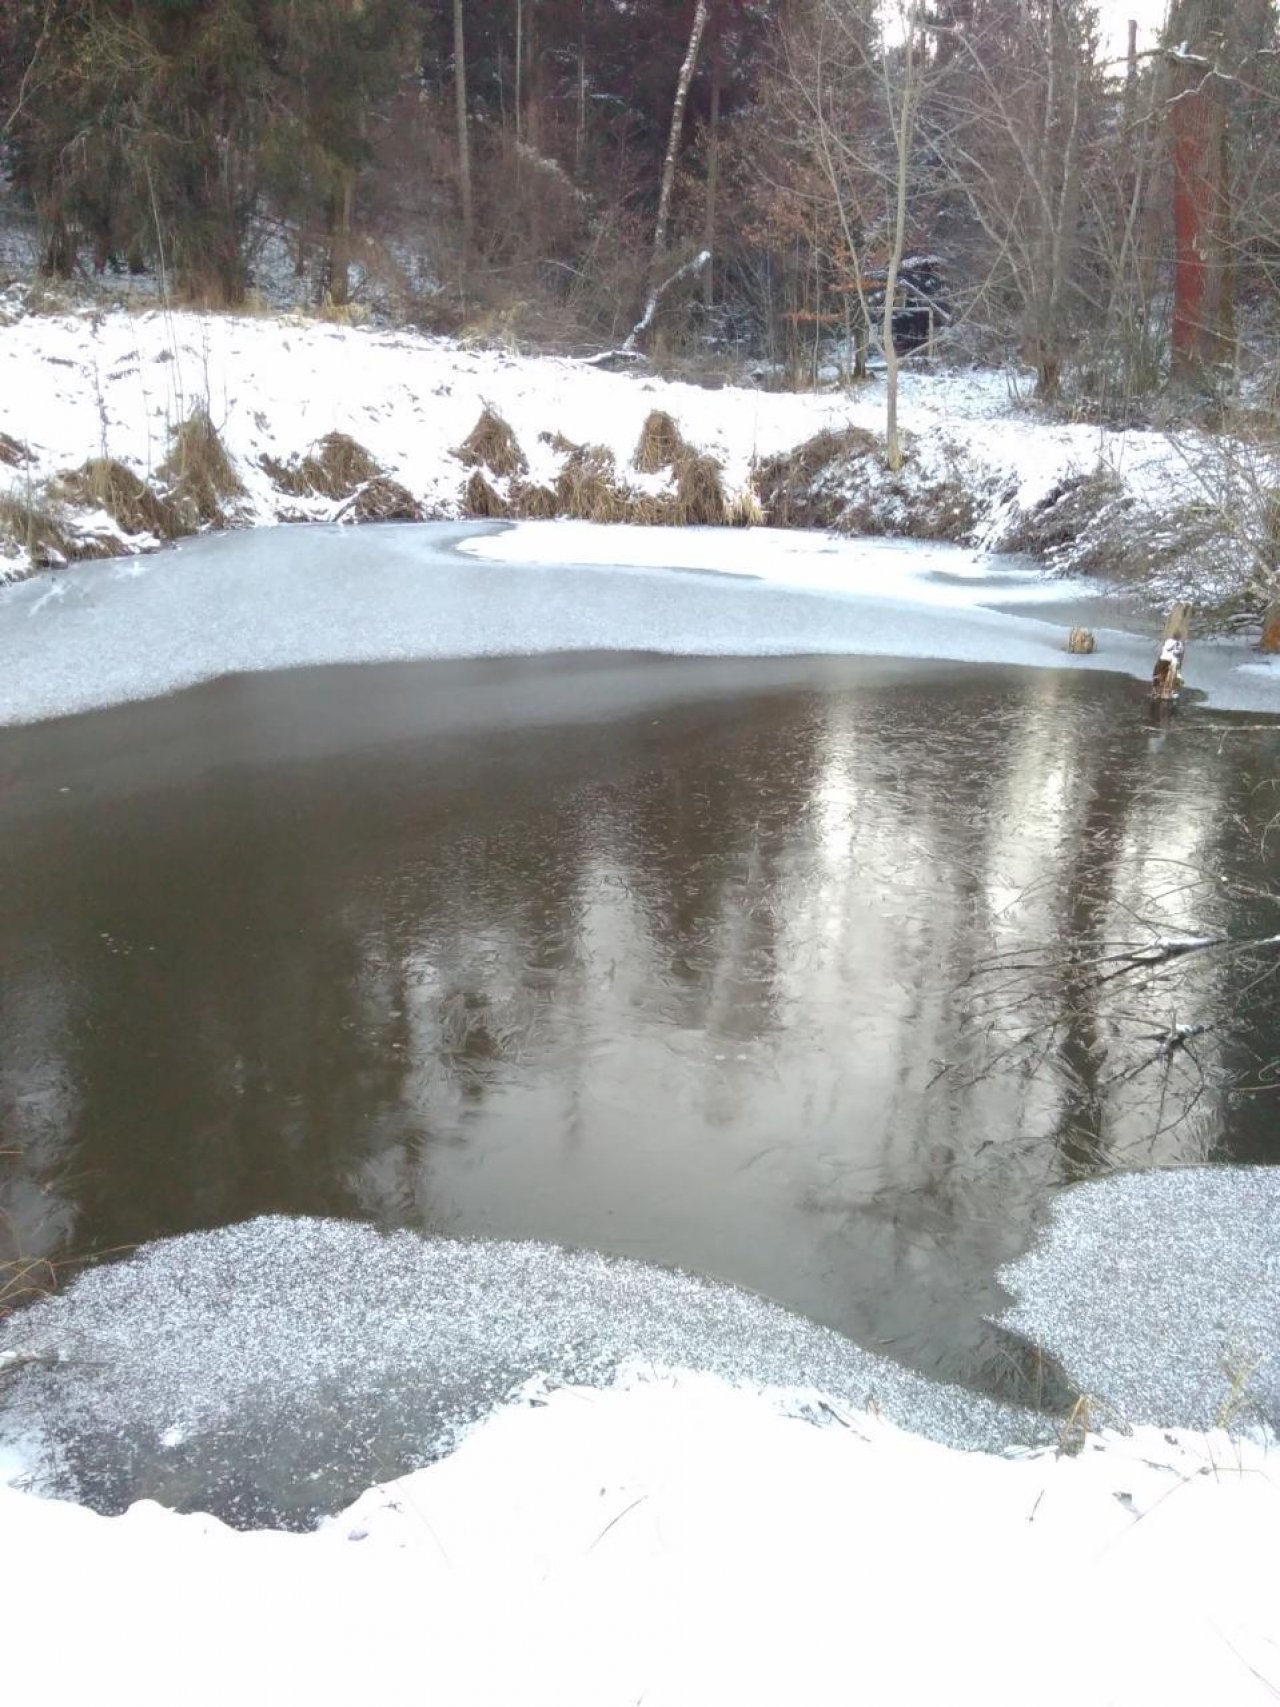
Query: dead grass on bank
{"points": [[201, 480], [561, 445], [13, 453], [103, 483], [33, 525], [383, 500], [588, 488], [661, 445], [700, 500], [335, 467], [493, 445], [532, 501], [482, 501]]}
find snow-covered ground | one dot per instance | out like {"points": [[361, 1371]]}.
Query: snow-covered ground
{"points": [[115, 383], [676, 1541]]}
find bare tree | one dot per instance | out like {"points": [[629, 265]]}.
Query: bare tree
{"points": [[856, 96], [1010, 124], [901, 106], [677, 126]]}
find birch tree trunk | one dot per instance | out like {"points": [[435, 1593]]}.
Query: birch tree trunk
{"points": [[677, 126]]}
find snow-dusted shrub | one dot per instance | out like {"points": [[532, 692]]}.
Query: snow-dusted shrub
{"points": [[804, 488], [1076, 518]]}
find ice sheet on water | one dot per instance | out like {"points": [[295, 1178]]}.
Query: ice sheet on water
{"points": [[100, 634], [1160, 1292], [271, 1370]]}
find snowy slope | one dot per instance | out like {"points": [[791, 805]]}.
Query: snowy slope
{"points": [[115, 383]]}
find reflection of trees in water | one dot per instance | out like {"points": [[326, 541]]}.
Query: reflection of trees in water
{"points": [[719, 988], [1145, 999], [37, 1112]]}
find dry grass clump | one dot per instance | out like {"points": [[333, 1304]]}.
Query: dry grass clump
{"points": [[561, 445], [798, 488], [383, 500], [745, 509], [33, 525], [588, 487], [200, 474], [491, 444], [335, 467], [13, 453], [533, 501], [700, 500], [661, 443], [482, 501], [129, 501]]}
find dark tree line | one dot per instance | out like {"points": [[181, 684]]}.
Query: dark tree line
{"points": [[1117, 221]]}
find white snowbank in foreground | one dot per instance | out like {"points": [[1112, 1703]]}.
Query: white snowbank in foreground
{"points": [[684, 1542]]}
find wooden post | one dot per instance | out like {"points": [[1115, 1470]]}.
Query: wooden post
{"points": [[1166, 678]]}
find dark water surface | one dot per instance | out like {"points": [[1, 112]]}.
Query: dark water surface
{"points": [[679, 959]]}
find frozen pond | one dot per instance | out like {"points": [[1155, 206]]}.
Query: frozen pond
{"points": [[783, 970]]}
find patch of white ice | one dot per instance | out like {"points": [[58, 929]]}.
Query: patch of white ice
{"points": [[1190, 1254]]}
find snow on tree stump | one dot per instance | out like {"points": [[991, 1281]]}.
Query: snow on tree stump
{"points": [[1081, 640], [1166, 678], [1270, 641]]}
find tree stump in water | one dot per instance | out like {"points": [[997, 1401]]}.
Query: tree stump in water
{"points": [[1270, 641], [1166, 678]]}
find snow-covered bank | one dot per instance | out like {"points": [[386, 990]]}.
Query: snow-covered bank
{"points": [[116, 385], [681, 1542], [754, 1529], [98, 634]]}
